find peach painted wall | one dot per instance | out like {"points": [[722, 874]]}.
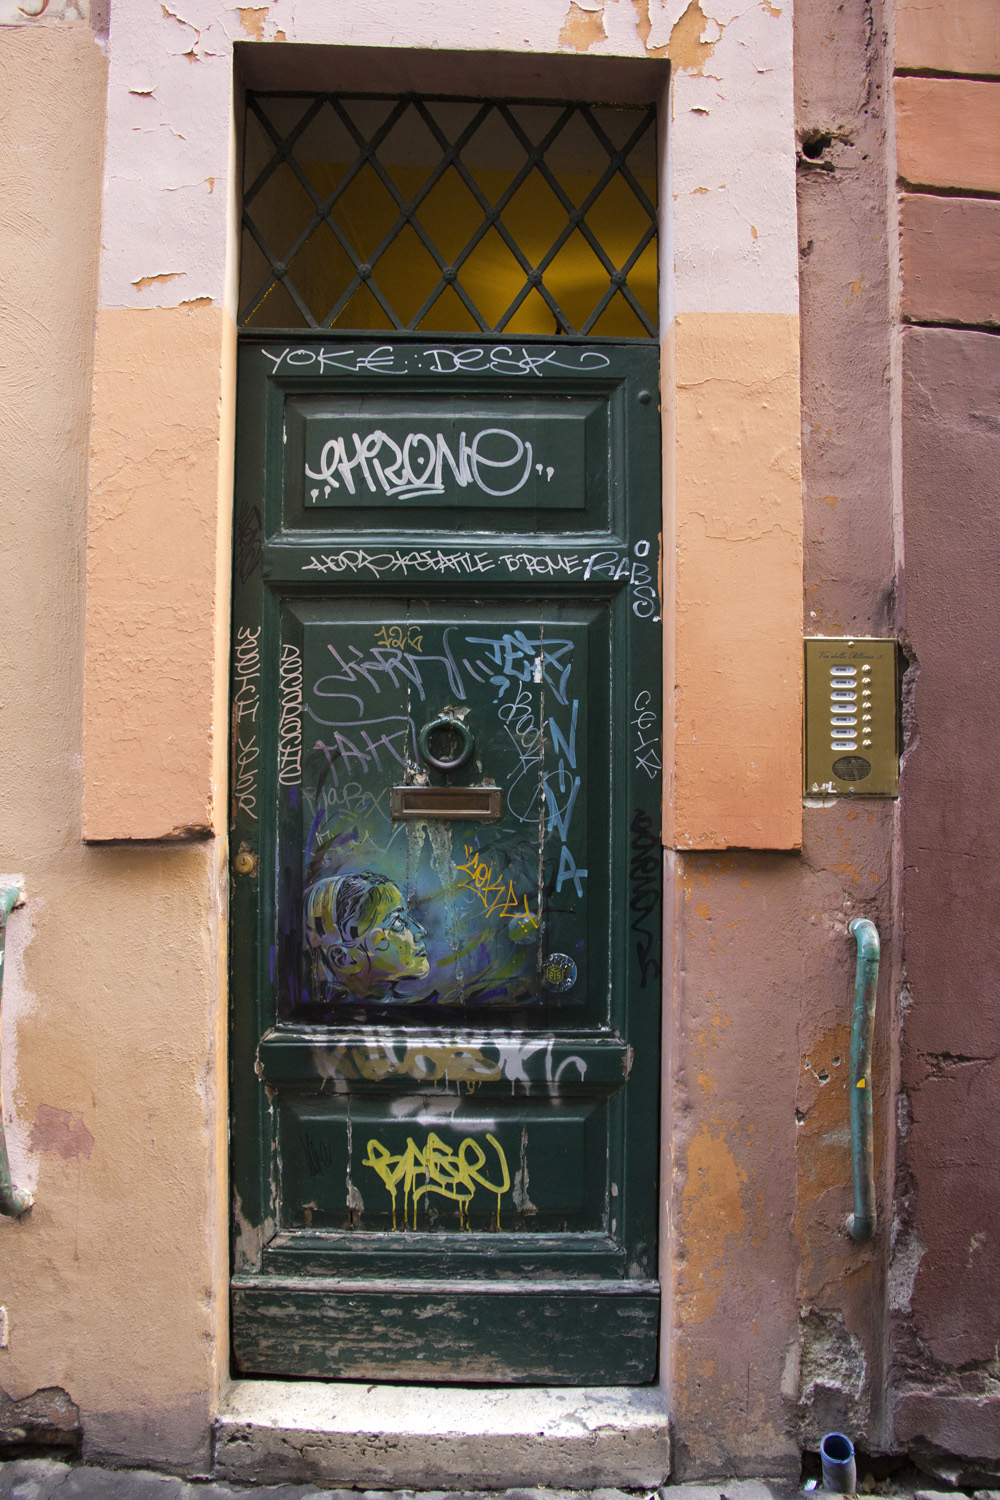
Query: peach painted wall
{"points": [[113, 1005]]}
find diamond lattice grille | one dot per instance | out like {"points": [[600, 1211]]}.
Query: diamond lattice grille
{"points": [[448, 215]]}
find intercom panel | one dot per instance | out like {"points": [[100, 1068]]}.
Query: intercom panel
{"points": [[852, 717]]}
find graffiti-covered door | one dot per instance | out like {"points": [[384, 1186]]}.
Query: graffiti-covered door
{"points": [[445, 890]]}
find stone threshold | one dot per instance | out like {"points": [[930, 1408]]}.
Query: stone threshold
{"points": [[392, 1437]]}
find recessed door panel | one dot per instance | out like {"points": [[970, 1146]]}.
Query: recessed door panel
{"points": [[503, 464], [413, 905], [445, 1165]]}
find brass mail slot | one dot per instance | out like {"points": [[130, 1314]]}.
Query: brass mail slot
{"points": [[482, 802]]}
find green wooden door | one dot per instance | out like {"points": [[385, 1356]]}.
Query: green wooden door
{"points": [[446, 868]]}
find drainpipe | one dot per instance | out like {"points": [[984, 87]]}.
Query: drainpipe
{"points": [[862, 1222], [840, 1472]]}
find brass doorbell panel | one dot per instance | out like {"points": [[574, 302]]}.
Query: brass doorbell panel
{"points": [[852, 717]]}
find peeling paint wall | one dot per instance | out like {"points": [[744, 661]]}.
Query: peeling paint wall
{"points": [[112, 1046], [732, 1161]]}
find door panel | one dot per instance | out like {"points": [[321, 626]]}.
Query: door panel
{"points": [[529, 686], [436, 459], [446, 873], [464, 1167]]}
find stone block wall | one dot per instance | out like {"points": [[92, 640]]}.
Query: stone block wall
{"points": [[946, 1255]]}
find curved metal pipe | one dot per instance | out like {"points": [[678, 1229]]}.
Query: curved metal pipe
{"points": [[13, 1201], [862, 1222]]}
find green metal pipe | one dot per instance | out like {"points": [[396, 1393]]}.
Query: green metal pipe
{"points": [[13, 1201], [862, 1222]]}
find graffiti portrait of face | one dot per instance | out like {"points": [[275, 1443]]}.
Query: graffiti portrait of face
{"points": [[397, 948], [362, 938]]}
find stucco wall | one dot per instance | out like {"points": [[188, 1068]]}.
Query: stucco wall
{"points": [[948, 1253], [112, 1042], [780, 1318]]}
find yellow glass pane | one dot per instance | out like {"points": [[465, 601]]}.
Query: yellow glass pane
{"points": [[366, 211], [618, 221], [325, 139], [492, 184], [620, 125], [449, 315], [577, 158], [275, 310], [450, 214], [642, 282], [533, 316], [494, 150], [363, 311], [534, 217], [576, 279], [322, 270], [618, 321], [492, 277], [409, 151], [255, 269], [283, 111], [406, 274], [281, 210], [368, 115], [536, 120], [258, 148], [647, 183], [451, 116]]}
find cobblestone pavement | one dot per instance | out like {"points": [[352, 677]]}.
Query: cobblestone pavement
{"points": [[44, 1478], [47, 1479], [40, 1479]]}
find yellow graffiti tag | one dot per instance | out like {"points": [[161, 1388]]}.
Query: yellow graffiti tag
{"points": [[394, 638], [489, 888], [437, 1169]]}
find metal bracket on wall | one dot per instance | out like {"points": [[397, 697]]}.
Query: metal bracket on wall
{"points": [[862, 1222], [13, 1201]]}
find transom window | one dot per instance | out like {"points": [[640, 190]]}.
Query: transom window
{"points": [[433, 214]]}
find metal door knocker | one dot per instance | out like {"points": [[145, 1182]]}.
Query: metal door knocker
{"points": [[444, 723]]}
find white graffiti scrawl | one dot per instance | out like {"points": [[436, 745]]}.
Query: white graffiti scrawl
{"points": [[496, 461]]}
